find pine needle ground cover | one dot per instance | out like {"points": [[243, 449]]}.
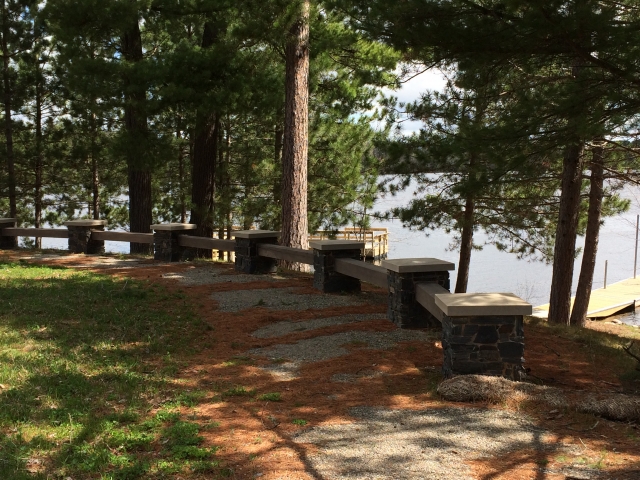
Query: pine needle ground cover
{"points": [[89, 382]]}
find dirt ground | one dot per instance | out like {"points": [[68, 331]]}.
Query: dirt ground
{"points": [[260, 438]]}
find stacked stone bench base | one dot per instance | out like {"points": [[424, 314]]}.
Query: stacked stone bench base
{"points": [[484, 345], [166, 246], [7, 243], [246, 250], [325, 254], [80, 240], [482, 333], [403, 276]]}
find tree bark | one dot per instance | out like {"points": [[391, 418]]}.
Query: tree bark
{"points": [[139, 173], [181, 199], [8, 119], [277, 161], [295, 230], [466, 246], [95, 173], [585, 281], [565, 245], [38, 166], [204, 162]]}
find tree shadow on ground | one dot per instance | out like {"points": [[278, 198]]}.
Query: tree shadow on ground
{"points": [[89, 370]]}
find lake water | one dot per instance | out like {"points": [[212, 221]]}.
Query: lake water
{"points": [[492, 270]]}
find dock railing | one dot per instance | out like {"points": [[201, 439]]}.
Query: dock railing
{"points": [[376, 239], [482, 333]]}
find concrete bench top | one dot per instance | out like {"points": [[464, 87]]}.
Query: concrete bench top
{"points": [[426, 296], [173, 226], [85, 223], [326, 245], [417, 265], [251, 234], [8, 220], [475, 304]]}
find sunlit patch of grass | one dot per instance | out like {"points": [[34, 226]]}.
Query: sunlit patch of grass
{"points": [[83, 359]]}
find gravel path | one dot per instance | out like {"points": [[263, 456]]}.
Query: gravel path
{"points": [[427, 444], [279, 299], [353, 377], [283, 371], [331, 346], [209, 276], [281, 329]]}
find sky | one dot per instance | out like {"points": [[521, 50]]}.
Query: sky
{"points": [[411, 91]]}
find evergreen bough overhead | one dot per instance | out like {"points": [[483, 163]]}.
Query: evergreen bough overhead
{"points": [[465, 176], [574, 73]]}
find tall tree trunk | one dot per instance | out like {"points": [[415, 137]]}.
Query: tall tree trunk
{"points": [[222, 171], [569, 213], [38, 166], [139, 173], [8, 120], [95, 173], [565, 247], [205, 151], [295, 229], [181, 197], [277, 161], [585, 281], [466, 246]]}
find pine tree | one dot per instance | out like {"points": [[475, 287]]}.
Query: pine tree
{"points": [[574, 83], [16, 21], [466, 175], [295, 225]]}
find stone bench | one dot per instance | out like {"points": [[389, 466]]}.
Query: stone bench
{"points": [[482, 333]]}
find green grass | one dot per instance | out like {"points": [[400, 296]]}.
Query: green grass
{"points": [[238, 360], [237, 391], [299, 421], [84, 360], [271, 397]]}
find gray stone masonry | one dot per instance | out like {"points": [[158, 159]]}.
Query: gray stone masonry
{"points": [[7, 243], [165, 241], [483, 345], [165, 246], [403, 308], [246, 251], [325, 277], [80, 236]]}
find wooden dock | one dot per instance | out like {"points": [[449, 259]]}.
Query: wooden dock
{"points": [[376, 239], [604, 302]]}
